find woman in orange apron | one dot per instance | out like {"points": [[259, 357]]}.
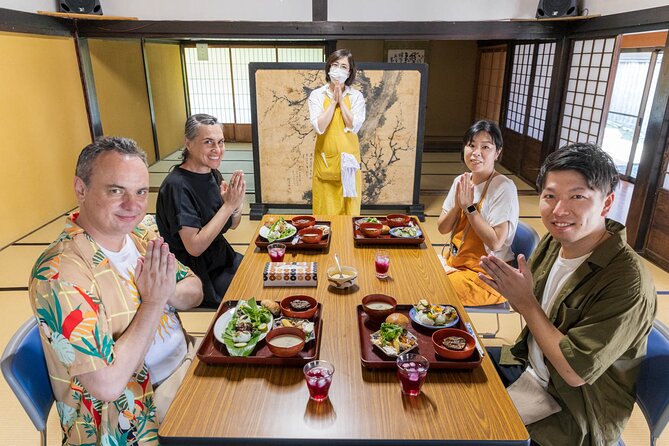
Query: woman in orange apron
{"points": [[337, 112], [481, 214]]}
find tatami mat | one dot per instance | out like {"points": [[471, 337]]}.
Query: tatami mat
{"points": [[443, 182], [227, 167], [440, 157], [440, 168]]}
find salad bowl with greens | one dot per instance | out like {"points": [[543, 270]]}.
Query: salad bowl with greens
{"points": [[241, 328], [278, 231]]}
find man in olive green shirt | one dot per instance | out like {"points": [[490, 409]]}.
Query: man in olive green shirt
{"points": [[589, 304]]}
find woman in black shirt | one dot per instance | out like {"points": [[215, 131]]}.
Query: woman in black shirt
{"points": [[196, 207]]}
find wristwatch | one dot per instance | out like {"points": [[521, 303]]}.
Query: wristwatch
{"points": [[471, 209]]}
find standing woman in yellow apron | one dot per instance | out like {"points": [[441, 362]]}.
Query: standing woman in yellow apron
{"points": [[337, 112], [481, 214]]}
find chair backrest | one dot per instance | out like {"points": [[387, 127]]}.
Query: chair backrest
{"points": [[525, 240], [24, 368], [652, 392]]}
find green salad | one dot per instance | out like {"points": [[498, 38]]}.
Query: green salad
{"points": [[249, 322], [280, 230]]}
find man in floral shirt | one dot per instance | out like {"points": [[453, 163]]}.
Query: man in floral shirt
{"points": [[105, 294]]}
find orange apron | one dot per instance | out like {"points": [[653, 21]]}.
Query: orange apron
{"points": [[327, 190], [471, 290]]}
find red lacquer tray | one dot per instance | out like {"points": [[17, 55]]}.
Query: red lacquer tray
{"points": [[386, 239], [322, 245], [372, 358], [211, 351]]}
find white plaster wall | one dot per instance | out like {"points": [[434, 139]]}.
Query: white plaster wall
{"points": [[247, 10], [605, 7], [338, 10], [29, 5], [430, 10]]}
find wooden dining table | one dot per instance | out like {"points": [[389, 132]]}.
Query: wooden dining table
{"points": [[261, 404]]}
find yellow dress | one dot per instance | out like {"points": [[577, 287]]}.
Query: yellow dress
{"points": [[471, 290], [327, 190]]}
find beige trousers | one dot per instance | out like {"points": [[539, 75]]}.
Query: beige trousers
{"points": [[163, 395]]}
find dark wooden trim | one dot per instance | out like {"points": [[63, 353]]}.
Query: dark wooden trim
{"points": [[258, 209], [319, 10], [416, 209], [26, 22], [88, 84], [625, 22], [506, 88], [488, 30], [650, 166], [184, 78], [149, 95], [330, 47], [609, 87], [659, 261], [553, 124]]}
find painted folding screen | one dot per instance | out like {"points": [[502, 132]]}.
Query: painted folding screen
{"points": [[390, 139], [585, 103]]}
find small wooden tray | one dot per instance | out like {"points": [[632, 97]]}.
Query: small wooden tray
{"points": [[322, 245], [386, 239], [372, 358], [214, 353]]}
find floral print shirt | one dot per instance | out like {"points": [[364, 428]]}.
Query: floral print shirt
{"points": [[83, 306]]}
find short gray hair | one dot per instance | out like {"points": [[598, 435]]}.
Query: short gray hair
{"points": [[192, 126], [91, 152]]}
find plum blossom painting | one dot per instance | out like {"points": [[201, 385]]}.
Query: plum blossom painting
{"points": [[390, 138]]}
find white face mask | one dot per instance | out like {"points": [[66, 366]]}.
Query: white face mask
{"points": [[338, 74]]}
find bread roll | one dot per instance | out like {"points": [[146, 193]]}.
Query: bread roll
{"points": [[398, 319], [272, 306], [385, 229]]}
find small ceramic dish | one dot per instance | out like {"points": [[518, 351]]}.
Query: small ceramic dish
{"points": [[303, 221], [289, 310], [438, 339], [378, 306], [371, 229], [285, 342], [310, 235], [349, 278], [397, 220]]}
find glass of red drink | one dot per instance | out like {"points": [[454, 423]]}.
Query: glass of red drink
{"points": [[276, 251], [411, 371], [382, 263], [318, 375]]}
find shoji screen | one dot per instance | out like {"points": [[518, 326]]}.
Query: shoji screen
{"points": [[523, 58], [585, 100], [540, 90]]}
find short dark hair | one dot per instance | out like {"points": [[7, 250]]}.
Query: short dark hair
{"points": [[351, 65], [124, 146], [485, 126], [596, 166]]}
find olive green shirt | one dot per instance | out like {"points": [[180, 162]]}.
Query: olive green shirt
{"points": [[605, 311]]}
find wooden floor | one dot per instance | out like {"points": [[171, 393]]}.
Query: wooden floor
{"points": [[439, 169]]}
